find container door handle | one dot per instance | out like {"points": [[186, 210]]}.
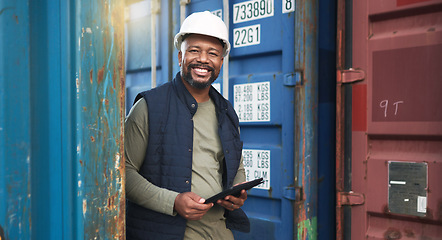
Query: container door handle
{"points": [[350, 198], [293, 193], [350, 75]]}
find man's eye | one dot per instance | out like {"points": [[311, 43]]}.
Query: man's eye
{"points": [[214, 54]]}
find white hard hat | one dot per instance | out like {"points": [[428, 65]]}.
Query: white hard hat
{"points": [[204, 23]]}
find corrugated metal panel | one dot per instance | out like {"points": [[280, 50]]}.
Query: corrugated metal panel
{"points": [[15, 124], [306, 120], [262, 89], [100, 111], [267, 61], [61, 120], [396, 119], [140, 34], [326, 119]]}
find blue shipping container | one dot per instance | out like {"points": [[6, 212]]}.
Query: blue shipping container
{"points": [[69, 74], [271, 78]]}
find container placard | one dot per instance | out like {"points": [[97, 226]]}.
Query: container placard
{"points": [[407, 188], [218, 12], [288, 6], [252, 10], [257, 165], [247, 36], [252, 101]]}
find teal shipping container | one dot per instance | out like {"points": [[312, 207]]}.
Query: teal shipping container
{"points": [[62, 107]]}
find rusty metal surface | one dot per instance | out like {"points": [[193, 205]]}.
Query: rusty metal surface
{"points": [[340, 116], [100, 109], [306, 103]]}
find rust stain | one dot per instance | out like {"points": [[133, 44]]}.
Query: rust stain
{"points": [[84, 109], [4, 9], [81, 162], [111, 201], [92, 139], [2, 233], [340, 116], [409, 233], [91, 77], [385, 209], [104, 40], [100, 75], [392, 233], [114, 79]]}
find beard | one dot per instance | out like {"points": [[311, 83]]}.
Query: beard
{"points": [[187, 76]]}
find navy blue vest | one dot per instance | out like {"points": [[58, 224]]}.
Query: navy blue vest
{"points": [[168, 161]]}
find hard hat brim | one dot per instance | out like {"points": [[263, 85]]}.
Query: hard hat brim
{"points": [[178, 40]]}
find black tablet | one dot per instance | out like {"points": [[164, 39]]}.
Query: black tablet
{"points": [[235, 190]]}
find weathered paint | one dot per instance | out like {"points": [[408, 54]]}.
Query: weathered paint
{"points": [[306, 108], [15, 142], [309, 228], [393, 120], [100, 109], [61, 131], [340, 116]]}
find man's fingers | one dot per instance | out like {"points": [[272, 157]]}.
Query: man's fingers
{"points": [[191, 206], [231, 202]]}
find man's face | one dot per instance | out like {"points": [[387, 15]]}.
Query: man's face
{"points": [[200, 60]]}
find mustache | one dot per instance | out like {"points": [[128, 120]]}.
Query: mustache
{"points": [[195, 65]]}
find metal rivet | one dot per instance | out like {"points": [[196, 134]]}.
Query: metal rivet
{"points": [[193, 105], [187, 181]]}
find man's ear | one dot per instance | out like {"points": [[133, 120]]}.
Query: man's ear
{"points": [[180, 57]]}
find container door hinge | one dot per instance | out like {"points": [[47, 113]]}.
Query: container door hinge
{"points": [[350, 75], [293, 193], [292, 79], [350, 198]]}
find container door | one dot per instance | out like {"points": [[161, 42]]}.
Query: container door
{"points": [[396, 120], [149, 29], [262, 92], [261, 88]]}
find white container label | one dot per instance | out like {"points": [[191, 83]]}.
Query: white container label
{"points": [[257, 165], [218, 12], [251, 10], [421, 204], [252, 101], [247, 36], [288, 6]]}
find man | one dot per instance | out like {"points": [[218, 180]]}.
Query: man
{"points": [[182, 145]]}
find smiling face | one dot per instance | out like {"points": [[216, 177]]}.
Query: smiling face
{"points": [[200, 60]]}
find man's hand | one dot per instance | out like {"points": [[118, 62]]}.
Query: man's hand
{"points": [[191, 206], [231, 202]]}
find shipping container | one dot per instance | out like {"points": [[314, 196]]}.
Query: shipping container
{"points": [[389, 121], [62, 110], [338, 104], [271, 78]]}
